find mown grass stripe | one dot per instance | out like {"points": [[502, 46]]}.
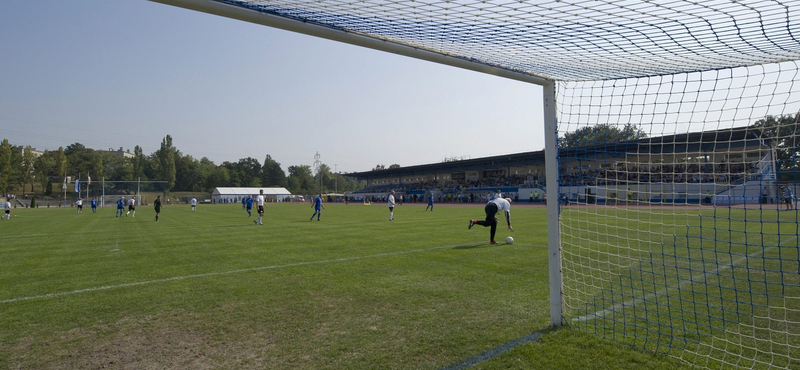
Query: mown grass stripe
{"points": [[177, 278]]}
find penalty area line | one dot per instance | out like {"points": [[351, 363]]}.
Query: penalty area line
{"points": [[221, 273]]}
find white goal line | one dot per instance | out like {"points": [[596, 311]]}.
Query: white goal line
{"points": [[177, 278]]}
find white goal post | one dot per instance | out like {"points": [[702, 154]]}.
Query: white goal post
{"points": [[109, 192], [672, 152]]}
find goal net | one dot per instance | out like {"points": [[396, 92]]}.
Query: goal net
{"points": [[145, 192], [672, 152], [679, 229]]}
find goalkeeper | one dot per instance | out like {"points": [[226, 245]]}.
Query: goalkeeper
{"points": [[491, 209]]}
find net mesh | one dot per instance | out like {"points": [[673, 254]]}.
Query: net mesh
{"points": [[109, 192], [677, 132], [679, 229], [568, 40]]}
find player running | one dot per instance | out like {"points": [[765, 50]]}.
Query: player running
{"points": [[79, 205], [317, 207], [7, 207], [157, 206], [491, 209], [131, 207]]}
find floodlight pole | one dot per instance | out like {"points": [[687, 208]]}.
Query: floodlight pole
{"points": [[553, 216]]}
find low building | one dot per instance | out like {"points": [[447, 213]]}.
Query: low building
{"points": [[235, 195], [122, 153]]}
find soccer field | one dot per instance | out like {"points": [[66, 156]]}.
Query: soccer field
{"points": [[209, 289]]}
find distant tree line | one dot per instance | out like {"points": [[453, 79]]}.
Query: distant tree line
{"points": [[783, 132], [21, 170]]}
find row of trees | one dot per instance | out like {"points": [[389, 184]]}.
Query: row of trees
{"points": [[783, 132], [22, 171]]}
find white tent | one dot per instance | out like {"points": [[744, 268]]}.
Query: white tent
{"points": [[235, 195]]}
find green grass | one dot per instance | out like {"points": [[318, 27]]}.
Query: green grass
{"points": [[714, 286], [209, 289]]}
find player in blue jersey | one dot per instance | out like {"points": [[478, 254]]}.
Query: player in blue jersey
{"points": [[94, 205], [788, 197], [318, 207], [249, 204], [430, 202], [120, 207]]}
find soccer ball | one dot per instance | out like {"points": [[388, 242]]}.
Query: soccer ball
{"points": [[509, 240]]}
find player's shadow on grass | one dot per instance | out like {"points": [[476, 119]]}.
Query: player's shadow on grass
{"points": [[475, 245]]}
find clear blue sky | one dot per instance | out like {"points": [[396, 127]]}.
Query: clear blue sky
{"points": [[121, 73]]}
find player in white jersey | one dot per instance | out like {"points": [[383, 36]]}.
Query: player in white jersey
{"points": [[494, 205], [79, 205], [390, 203], [260, 209], [131, 207], [7, 207], [193, 202]]}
